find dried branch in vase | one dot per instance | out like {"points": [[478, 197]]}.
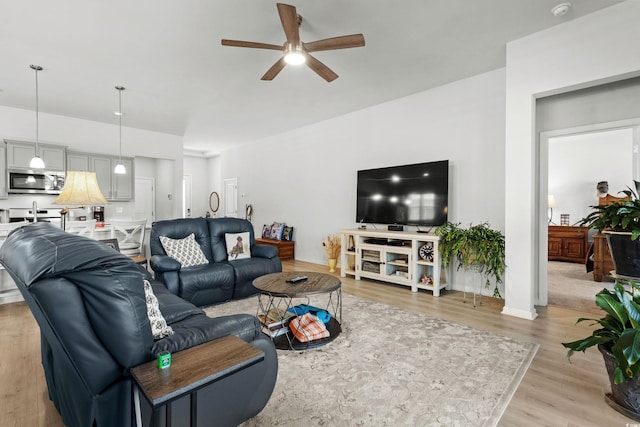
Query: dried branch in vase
{"points": [[331, 245]]}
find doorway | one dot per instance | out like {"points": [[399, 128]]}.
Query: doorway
{"points": [[572, 162], [230, 198], [186, 196], [145, 200]]}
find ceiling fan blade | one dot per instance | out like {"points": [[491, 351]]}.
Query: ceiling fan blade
{"points": [[322, 70], [255, 45], [274, 70], [289, 19], [342, 42]]}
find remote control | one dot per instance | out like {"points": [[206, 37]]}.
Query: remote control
{"points": [[297, 279]]}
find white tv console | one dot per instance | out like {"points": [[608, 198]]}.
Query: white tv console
{"points": [[392, 256]]}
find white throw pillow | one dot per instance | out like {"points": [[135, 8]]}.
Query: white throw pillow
{"points": [[159, 326], [187, 251], [238, 245]]}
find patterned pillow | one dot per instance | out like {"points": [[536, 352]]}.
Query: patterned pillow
{"points": [[287, 233], [238, 245], [266, 231], [159, 327], [187, 251], [276, 230]]}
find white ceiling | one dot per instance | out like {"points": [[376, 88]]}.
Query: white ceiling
{"points": [[180, 80]]}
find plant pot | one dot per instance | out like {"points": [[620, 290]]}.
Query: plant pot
{"points": [[625, 253], [332, 264], [625, 397]]}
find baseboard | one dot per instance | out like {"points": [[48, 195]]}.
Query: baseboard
{"points": [[523, 314]]}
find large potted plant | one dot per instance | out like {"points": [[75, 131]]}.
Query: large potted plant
{"points": [[478, 246], [618, 339], [620, 222]]}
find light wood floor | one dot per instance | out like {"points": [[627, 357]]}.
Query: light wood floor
{"points": [[553, 392]]}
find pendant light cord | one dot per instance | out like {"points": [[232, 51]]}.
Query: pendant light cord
{"points": [[120, 119], [37, 68], [37, 107]]}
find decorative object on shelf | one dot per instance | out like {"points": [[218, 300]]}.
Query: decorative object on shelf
{"points": [[80, 189], [120, 169], [564, 219], [352, 244], [426, 279], [331, 245], [620, 222], [426, 252], [603, 188], [551, 203], [36, 161], [618, 339], [478, 247]]}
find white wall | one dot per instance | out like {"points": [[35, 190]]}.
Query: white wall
{"points": [[595, 49], [94, 137], [578, 162], [307, 177]]}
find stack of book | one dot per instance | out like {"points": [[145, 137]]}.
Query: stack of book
{"points": [[276, 322]]}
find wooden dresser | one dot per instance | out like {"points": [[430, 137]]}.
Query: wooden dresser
{"points": [[567, 243], [602, 262]]}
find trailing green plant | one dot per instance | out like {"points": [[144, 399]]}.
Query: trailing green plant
{"points": [[478, 246], [619, 332], [622, 215]]}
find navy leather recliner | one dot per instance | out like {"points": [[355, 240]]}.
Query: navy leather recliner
{"points": [[90, 306], [220, 280]]}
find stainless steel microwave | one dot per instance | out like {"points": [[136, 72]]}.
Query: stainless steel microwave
{"points": [[26, 182]]}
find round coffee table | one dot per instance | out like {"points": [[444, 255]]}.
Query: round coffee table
{"points": [[278, 295]]}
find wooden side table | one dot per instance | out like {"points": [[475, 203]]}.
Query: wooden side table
{"points": [[190, 370], [602, 261], [138, 259], [286, 248]]}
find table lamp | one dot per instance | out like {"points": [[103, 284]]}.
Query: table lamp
{"points": [[81, 189], [551, 203]]}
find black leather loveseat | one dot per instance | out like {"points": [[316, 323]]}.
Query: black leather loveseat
{"points": [[218, 280], [89, 302]]}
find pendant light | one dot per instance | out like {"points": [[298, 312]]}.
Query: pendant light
{"points": [[120, 169], [36, 161]]}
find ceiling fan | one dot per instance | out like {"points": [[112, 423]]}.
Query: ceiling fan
{"points": [[294, 51]]}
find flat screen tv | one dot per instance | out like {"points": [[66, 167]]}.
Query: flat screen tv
{"points": [[408, 195]]}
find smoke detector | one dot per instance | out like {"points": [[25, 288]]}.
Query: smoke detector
{"points": [[561, 9]]}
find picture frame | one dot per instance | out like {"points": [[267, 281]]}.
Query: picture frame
{"points": [[112, 243]]}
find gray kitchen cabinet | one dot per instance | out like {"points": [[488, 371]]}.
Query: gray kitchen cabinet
{"points": [[114, 187], [19, 155], [3, 172], [77, 161], [122, 185], [104, 174]]}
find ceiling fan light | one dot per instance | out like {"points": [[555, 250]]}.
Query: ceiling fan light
{"points": [[294, 58], [294, 55]]}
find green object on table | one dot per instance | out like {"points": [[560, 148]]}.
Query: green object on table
{"points": [[164, 360]]}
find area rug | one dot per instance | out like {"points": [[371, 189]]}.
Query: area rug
{"points": [[393, 367], [570, 286]]}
